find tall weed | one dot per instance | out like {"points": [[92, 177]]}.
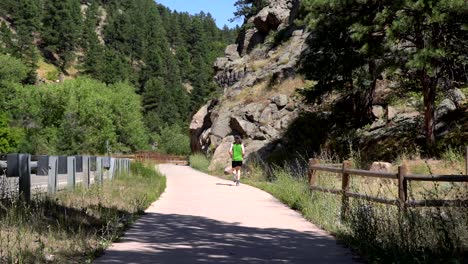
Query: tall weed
{"points": [[380, 233], [75, 226], [199, 162]]}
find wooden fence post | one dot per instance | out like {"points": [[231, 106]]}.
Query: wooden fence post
{"points": [[71, 168], [402, 185], [466, 160], [86, 167], [52, 176], [312, 172], [24, 165], [344, 189]]}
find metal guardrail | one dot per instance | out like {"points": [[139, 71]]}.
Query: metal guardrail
{"points": [[23, 167]]}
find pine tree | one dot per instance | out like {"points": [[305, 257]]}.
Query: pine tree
{"points": [[6, 41], [423, 42], [61, 30], [248, 8]]}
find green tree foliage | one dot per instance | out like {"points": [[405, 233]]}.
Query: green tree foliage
{"points": [[122, 44], [19, 42], [167, 50], [248, 8], [9, 137], [433, 39], [12, 72], [354, 43], [6, 39], [79, 116], [61, 30], [173, 140]]}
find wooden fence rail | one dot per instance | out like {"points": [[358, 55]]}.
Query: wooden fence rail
{"points": [[160, 158], [24, 166], [402, 178]]}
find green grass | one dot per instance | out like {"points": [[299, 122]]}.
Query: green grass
{"points": [[76, 226], [321, 209], [199, 162]]}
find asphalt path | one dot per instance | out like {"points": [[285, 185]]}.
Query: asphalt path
{"points": [[204, 219]]}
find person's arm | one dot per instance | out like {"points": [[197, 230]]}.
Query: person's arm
{"points": [[243, 150], [230, 150]]}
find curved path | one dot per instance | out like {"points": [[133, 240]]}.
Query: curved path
{"points": [[204, 219]]}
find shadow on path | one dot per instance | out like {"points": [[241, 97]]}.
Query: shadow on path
{"points": [[225, 184], [171, 238]]}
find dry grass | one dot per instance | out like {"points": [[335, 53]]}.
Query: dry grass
{"points": [[254, 94], [258, 65], [47, 71], [74, 227], [288, 87], [380, 233], [72, 73], [264, 91]]}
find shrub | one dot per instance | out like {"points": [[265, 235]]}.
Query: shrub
{"points": [[173, 140]]}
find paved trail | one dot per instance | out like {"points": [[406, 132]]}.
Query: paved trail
{"points": [[204, 219]]}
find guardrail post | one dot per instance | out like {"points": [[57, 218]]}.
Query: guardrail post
{"points": [[71, 168], [24, 165], [402, 185], [99, 170], [86, 167], [117, 168], [111, 169], [312, 172], [52, 176], [344, 189], [129, 167]]}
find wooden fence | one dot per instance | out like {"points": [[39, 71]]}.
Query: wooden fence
{"points": [[402, 178], [159, 158], [26, 166]]}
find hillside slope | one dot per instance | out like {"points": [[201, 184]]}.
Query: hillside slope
{"points": [[263, 81], [166, 55]]}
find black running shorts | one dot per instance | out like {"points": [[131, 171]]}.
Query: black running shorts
{"points": [[236, 164]]}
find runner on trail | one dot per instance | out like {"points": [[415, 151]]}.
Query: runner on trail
{"points": [[237, 154]]}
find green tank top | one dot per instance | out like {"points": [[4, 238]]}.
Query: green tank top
{"points": [[237, 152]]}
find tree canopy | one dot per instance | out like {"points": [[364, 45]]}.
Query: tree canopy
{"points": [[420, 44], [149, 59]]}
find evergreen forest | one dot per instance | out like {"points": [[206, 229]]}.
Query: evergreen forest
{"points": [[93, 76]]}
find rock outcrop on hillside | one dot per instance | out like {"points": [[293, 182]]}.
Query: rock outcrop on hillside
{"points": [[257, 58], [267, 56]]}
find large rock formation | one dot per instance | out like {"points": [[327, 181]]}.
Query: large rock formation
{"points": [[258, 75], [257, 58]]}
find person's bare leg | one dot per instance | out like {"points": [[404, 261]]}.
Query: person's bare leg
{"points": [[234, 174]]}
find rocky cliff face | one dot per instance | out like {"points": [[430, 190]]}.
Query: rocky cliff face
{"points": [[259, 78], [260, 103]]}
